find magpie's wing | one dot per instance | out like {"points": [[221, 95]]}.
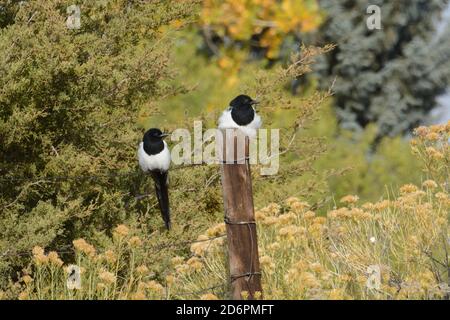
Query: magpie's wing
{"points": [[161, 179]]}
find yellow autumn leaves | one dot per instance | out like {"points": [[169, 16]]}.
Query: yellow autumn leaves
{"points": [[263, 22]]}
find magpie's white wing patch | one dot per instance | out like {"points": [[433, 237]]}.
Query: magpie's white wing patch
{"points": [[160, 161], [227, 122]]}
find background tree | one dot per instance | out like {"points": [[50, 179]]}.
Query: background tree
{"points": [[390, 76]]}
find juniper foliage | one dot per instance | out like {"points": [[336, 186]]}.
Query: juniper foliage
{"points": [[69, 101]]}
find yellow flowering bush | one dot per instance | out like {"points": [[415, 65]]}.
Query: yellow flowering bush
{"points": [[392, 249], [116, 272], [328, 258], [431, 145]]}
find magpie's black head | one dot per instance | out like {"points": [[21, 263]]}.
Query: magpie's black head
{"points": [[154, 135], [153, 141], [242, 111], [242, 101]]}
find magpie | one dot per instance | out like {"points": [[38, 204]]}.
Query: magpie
{"points": [[154, 158], [241, 115]]}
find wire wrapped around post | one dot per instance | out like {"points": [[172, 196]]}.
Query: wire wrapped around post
{"points": [[244, 269]]}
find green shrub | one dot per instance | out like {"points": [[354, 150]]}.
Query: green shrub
{"points": [[68, 108]]}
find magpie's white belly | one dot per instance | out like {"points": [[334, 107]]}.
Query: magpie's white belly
{"points": [[227, 122], [160, 161]]}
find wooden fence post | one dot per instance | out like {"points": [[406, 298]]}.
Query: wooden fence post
{"points": [[245, 274]]}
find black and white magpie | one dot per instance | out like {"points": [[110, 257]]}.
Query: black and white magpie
{"points": [[154, 158], [241, 115]]}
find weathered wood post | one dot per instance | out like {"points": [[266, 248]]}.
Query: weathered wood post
{"points": [[240, 223]]}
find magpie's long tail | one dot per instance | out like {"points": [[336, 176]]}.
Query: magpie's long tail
{"points": [[162, 192]]}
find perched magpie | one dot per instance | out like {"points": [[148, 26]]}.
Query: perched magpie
{"points": [[241, 115], [154, 157]]}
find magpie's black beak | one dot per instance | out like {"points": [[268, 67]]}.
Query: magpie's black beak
{"points": [[254, 102], [163, 135]]}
